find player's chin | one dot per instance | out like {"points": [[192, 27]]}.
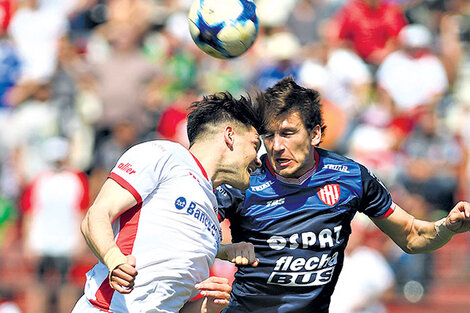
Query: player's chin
{"points": [[285, 171], [243, 183]]}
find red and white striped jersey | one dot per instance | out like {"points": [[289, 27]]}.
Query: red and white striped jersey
{"points": [[54, 202]]}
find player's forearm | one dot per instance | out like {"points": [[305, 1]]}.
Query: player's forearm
{"points": [[428, 236], [97, 231], [413, 235]]}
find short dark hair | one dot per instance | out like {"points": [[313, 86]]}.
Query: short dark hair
{"points": [[223, 107], [287, 96]]}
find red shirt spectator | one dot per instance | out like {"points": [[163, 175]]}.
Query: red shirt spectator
{"points": [[370, 25], [7, 8]]}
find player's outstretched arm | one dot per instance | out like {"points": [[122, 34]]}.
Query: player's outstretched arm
{"points": [[240, 253], [216, 296], [417, 236], [96, 227]]}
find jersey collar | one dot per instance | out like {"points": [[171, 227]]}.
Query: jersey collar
{"points": [[200, 166]]}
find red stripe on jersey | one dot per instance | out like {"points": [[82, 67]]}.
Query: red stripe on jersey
{"points": [[124, 184], [103, 296], [128, 222], [389, 211], [200, 166]]}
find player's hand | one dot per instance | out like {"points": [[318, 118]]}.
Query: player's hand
{"points": [[458, 219], [123, 276], [216, 293], [240, 253]]}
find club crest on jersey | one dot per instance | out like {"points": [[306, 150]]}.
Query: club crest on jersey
{"points": [[329, 194]]}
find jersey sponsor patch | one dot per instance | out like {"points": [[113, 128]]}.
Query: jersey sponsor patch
{"points": [[198, 213], [263, 186], [329, 194], [336, 167], [180, 203], [301, 272], [126, 168]]}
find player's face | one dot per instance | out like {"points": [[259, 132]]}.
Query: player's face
{"points": [[290, 146], [247, 144]]}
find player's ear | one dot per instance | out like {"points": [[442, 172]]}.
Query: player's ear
{"points": [[229, 137], [315, 135]]}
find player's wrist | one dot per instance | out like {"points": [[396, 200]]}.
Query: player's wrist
{"points": [[113, 258], [443, 231]]}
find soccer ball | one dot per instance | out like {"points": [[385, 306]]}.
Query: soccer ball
{"points": [[223, 28]]}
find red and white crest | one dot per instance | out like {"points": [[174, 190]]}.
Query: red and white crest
{"points": [[329, 194]]}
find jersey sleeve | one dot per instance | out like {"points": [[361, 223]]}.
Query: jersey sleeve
{"points": [[229, 200], [141, 169], [85, 194], [376, 200]]}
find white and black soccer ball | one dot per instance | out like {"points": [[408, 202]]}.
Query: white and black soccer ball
{"points": [[223, 29]]}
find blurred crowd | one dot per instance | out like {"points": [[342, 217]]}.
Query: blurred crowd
{"points": [[83, 80]]}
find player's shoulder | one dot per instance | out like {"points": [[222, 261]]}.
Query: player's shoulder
{"points": [[159, 147], [157, 150], [327, 157]]}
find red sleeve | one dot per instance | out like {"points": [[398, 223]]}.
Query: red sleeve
{"points": [[398, 20], [25, 203], [124, 184], [85, 199], [342, 24]]}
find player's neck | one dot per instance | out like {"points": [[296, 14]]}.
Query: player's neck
{"points": [[209, 157]]}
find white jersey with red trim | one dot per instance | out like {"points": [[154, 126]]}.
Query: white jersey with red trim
{"points": [[173, 231], [55, 200]]}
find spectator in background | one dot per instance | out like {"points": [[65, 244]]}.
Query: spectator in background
{"points": [[53, 206], [7, 8], [367, 278], [7, 305], [458, 121], [122, 79], [8, 248], [282, 51], [123, 135], [34, 119], [308, 19], [412, 76], [340, 75], [344, 81], [172, 122], [35, 29], [432, 161], [371, 26], [9, 74], [431, 169], [9, 69], [75, 100]]}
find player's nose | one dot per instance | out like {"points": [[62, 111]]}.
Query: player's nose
{"points": [[278, 144]]}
